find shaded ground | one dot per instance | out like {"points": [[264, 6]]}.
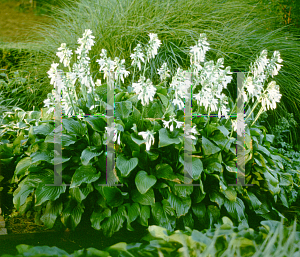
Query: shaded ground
{"points": [[16, 23]]}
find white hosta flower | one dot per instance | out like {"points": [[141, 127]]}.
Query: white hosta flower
{"points": [[172, 120], [144, 90], [272, 97], [163, 72], [198, 51], [261, 63], [149, 137], [53, 72], [152, 46], [137, 56], [190, 131], [121, 72], [178, 102]]}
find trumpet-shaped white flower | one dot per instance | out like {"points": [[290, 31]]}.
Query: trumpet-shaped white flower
{"points": [[64, 55], [189, 131], [172, 120], [163, 72], [137, 56], [145, 90], [152, 46], [149, 137], [198, 51]]}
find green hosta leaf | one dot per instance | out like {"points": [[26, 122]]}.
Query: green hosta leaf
{"points": [[27, 250], [270, 138], [180, 205], [216, 197], [188, 220], [53, 210], [255, 202], [40, 156], [22, 166], [182, 191], [88, 154], [158, 232], [144, 181], [162, 218], [138, 141], [44, 193], [44, 129], [155, 110], [221, 140], [144, 199], [263, 150], [236, 209], [66, 140], [96, 139], [144, 215], [113, 196], [133, 212], [123, 109], [283, 198], [98, 216], [199, 193], [213, 213], [126, 166], [197, 167], [163, 99], [74, 127], [84, 174], [208, 147], [152, 156], [80, 193], [230, 194], [22, 192], [286, 179], [114, 223], [214, 167], [165, 140], [165, 171], [224, 130], [199, 210], [71, 215], [59, 159], [97, 123]]}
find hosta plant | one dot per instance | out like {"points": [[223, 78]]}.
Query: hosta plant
{"points": [[149, 135]]}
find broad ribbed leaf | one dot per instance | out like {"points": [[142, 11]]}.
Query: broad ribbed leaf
{"points": [[165, 140], [98, 216], [84, 174], [230, 194], [126, 166], [44, 193], [180, 205], [53, 210], [97, 123], [197, 167], [74, 127], [144, 215], [40, 156], [255, 202], [199, 210], [80, 193], [22, 166], [88, 154], [144, 199], [123, 109], [115, 222], [216, 197], [158, 232], [161, 218], [65, 140], [165, 171], [182, 191], [71, 215], [286, 179], [213, 213], [22, 192], [44, 129], [133, 212], [113, 196], [208, 147], [144, 181]]}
